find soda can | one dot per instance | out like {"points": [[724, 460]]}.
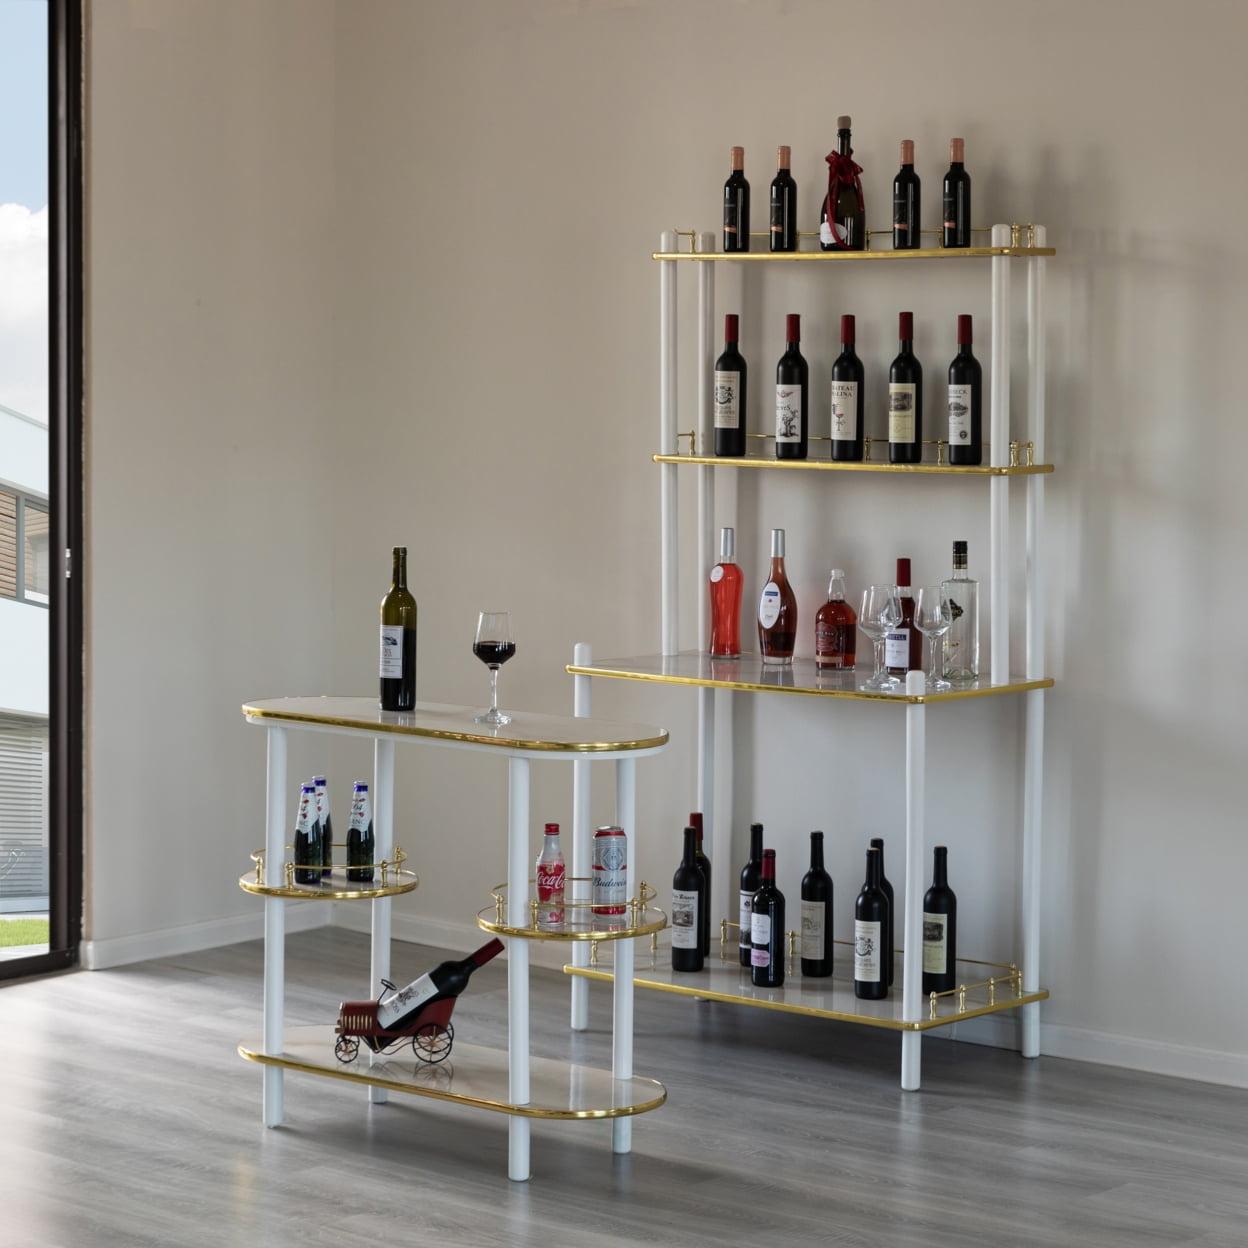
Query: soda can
{"points": [[610, 885]]}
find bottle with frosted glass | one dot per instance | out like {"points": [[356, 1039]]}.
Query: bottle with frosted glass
{"points": [[962, 641], [725, 588]]}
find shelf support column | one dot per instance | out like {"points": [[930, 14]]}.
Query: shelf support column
{"points": [[383, 840], [622, 986], [999, 487], [1033, 755], [912, 966], [668, 508], [706, 525], [582, 656], [274, 923], [518, 966]]}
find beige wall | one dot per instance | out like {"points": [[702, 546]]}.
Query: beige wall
{"points": [[481, 306]]}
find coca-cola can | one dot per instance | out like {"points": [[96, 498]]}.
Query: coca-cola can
{"points": [[610, 883]]}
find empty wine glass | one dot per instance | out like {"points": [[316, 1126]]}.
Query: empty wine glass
{"points": [[933, 617], [493, 646], [881, 610]]}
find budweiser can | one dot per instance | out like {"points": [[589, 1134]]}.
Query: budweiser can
{"points": [[550, 879], [610, 885]]}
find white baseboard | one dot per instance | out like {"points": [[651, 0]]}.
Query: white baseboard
{"points": [[99, 955]]}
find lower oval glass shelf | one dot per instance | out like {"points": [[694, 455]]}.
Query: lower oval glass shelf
{"points": [[580, 920], [390, 879]]}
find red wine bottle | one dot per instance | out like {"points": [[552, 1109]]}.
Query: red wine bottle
{"points": [[848, 396], [816, 914], [905, 399], [398, 640], [966, 386], [871, 918], [940, 928], [890, 936], [767, 929], [783, 204], [447, 979], [903, 645], [704, 865], [688, 891], [906, 233], [792, 377], [751, 878], [956, 199], [842, 218], [729, 394], [737, 205]]}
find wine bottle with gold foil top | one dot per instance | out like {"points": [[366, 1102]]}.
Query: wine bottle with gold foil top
{"points": [[398, 640]]}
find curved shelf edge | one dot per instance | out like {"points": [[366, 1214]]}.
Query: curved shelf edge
{"points": [[828, 465], [321, 892], [849, 257], [648, 927]]}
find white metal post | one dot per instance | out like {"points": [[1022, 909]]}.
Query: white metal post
{"points": [[1033, 764], [582, 656], [274, 923], [518, 965], [706, 527], [622, 988], [912, 965], [668, 508], [999, 488], [383, 841]]}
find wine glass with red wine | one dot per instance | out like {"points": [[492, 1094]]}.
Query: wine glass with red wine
{"points": [[493, 646]]}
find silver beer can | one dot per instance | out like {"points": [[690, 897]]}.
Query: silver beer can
{"points": [[610, 882]]}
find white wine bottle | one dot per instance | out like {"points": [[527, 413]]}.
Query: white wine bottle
{"points": [[398, 640]]}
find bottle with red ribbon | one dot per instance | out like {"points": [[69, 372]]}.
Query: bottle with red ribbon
{"points": [[843, 217]]}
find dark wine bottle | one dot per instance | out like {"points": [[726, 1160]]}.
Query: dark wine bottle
{"points": [[871, 917], [307, 840], [890, 935], [816, 914], [704, 865], [398, 640], [730, 393], [326, 820], [940, 928], [956, 199], [737, 205], [751, 878], [848, 396], [688, 903], [783, 205], [767, 929], [447, 979], [361, 844], [966, 387], [792, 378], [906, 231], [842, 218], [903, 643], [905, 399]]}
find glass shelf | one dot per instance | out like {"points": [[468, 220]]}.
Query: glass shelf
{"points": [[390, 878], [850, 257], [472, 1075], [748, 675], [827, 465], [580, 922]]}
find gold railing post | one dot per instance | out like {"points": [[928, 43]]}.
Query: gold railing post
{"points": [[961, 998]]}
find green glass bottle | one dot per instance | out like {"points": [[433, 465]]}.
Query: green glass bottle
{"points": [[398, 640]]}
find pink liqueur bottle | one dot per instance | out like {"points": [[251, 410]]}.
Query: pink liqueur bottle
{"points": [[726, 585]]}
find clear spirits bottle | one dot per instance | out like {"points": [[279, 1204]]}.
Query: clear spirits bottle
{"points": [[962, 640]]}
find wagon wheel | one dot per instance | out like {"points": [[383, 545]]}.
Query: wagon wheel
{"points": [[346, 1048], [432, 1043]]}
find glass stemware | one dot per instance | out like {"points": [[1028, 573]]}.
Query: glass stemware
{"points": [[494, 645], [933, 617], [881, 610]]}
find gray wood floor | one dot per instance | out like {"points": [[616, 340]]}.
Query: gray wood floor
{"points": [[126, 1118]]}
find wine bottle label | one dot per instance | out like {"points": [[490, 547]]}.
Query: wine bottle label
{"points": [[788, 413], [407, 999], [901, 405], [392, 652], [769, 605], [935, 943], [745, 918], [727, 400], [760, 934], [844, 411], [959, 415], [717, 574], [812, 929], [897, 648], [866, 952], [684, 919]]}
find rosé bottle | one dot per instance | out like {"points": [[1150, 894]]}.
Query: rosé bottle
{"points": [[836, 628], [777, 610], [725, 588], [550, 879]]}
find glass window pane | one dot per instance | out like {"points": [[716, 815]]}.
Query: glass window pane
{"points": [[8, 544], [35, 538]]}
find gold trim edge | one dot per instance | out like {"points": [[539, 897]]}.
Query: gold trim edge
{"points": [[882, 1024], [501, 1107], [532, 933], [915, 253], [828, 465], [248, 884]]}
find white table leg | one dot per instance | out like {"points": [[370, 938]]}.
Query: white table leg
{"points": [[274, 923], [383, 837], [582, 656], [622, 989], [912, 968], [518, 966]]}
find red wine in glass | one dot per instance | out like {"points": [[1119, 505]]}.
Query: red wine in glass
{"points": [[493, 645], [493, 653]]}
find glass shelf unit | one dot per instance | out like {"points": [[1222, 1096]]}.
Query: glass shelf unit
{"points": [[748, 675], [851, 257], [827, 465]]}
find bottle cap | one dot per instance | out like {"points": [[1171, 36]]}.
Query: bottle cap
{"points": [[769, 864], [784, 155], [842, 123], [318, 780], [816, 836], [552, 829], [777, 543], [360, 787], [847, 330], [957, 150], [756, 827], [903, 571], [738, 159], [907, 151], [877, 842], [731, 326], [959, 547], [695, 822], [401, 550], [959, 556], [837, 574], [792, 327], [727, 545], [964, 330], [905, 327], [308, 788]]}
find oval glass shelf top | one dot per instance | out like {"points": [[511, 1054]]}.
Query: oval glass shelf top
{"points": [[580, 920]]}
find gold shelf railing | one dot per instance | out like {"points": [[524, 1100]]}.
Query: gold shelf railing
{"points": [[1022, 235], [582, 921], [391, 878]]}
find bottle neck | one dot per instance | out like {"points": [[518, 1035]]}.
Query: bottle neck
{"points": [[482, 955], [907, 167], [874, 873], [878, 845], [792, 345], [398, 573], [955, 166], [777, 567], [691, 847], [769, 870], [816, 852], [905, 346], [964, 348], [940, 869], [842, 142], [756, 844]]}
